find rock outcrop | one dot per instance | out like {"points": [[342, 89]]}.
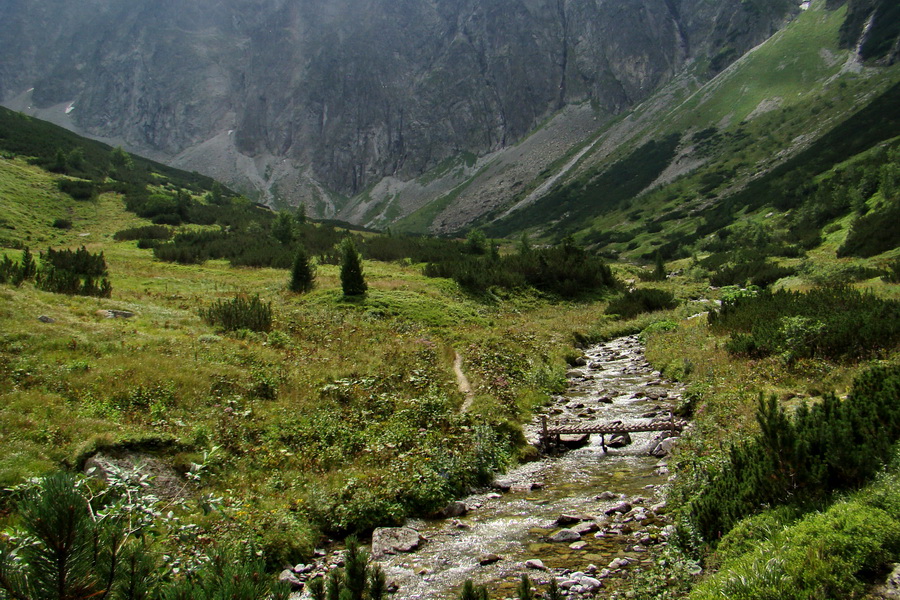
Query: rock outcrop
{"points": [[309, 100]]}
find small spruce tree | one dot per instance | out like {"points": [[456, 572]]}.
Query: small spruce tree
{"points": [[659, 269], [525, 588], [352, 281], [303, 272], [29, 267], [283, 228]]}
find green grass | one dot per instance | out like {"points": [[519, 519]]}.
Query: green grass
{"points": [[788, 68]]}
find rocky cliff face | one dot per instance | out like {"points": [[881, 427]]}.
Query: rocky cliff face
{"points": [[314, 99]]}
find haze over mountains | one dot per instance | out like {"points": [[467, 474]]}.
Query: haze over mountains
{"points": [[342, 104], [348, 91]]}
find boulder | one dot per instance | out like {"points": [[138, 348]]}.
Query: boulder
{"points": [[607, 495], [115, 314], [535, 563], [288, 576], [619, 441], [565, 536], [488, 559], [663, 448], [452, 510], [46, 319], [391, 540], [622, 507]]}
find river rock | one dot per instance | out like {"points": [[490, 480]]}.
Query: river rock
{"points": [[454, 509], [619, 441], [619, 563], [488, 559], [890, 589], [570, 519], [535, 563], [391, 540], [565, 535], [581, 361], [578, 545], [605, 400], [607, 495], [585, 527], [622, 507], [288, 576], [663, 448], [301, 569], [590, 583]]}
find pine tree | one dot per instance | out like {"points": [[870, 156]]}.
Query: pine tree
{"points": [[659, 270], [303, 273], [525, 588], [283, 228], [355, 562], [72, 557], [28, 268], [352, 281], [300, 214]]}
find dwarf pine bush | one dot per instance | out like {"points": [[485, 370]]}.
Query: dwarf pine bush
{"points": [[831, 446], [239, 313]]}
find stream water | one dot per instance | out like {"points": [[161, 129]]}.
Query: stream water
{"points": [[616, 383]]}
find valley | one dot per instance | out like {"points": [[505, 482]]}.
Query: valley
{"points": [[224, 396]]}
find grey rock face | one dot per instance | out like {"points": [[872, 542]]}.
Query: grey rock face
{"points": [[349, 91]]}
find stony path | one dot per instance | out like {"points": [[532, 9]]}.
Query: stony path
{"points": [[462, 382]]}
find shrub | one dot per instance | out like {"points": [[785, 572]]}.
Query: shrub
{"points": [[566, 270], [833, 323], [874, 233], [61, 224], [239, 313], [147, 232], [76, 273], [827, 447], [761, 273], [642, 300], [79, 189], [821, 557]]}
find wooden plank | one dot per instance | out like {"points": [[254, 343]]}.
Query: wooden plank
{"points": [[605, 429]]}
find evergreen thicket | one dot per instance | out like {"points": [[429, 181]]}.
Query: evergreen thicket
{"points": [[239, 313], [76, 272], [802, 460], [565, 270], [833, 323]]}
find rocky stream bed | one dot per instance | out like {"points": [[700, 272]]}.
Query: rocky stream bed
{"points": [[584, 516]]}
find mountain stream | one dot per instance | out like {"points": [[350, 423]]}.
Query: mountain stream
{"points": [[512, 524]]}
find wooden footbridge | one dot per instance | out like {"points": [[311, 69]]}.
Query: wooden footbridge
{"points": [[550, 436]]}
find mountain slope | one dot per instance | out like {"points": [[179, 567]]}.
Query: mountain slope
{"points": [[318, 100]]}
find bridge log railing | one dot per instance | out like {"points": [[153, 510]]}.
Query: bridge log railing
{"points": [[550, 436]]}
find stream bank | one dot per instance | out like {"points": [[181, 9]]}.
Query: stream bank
{"points": [[585, 516]]}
